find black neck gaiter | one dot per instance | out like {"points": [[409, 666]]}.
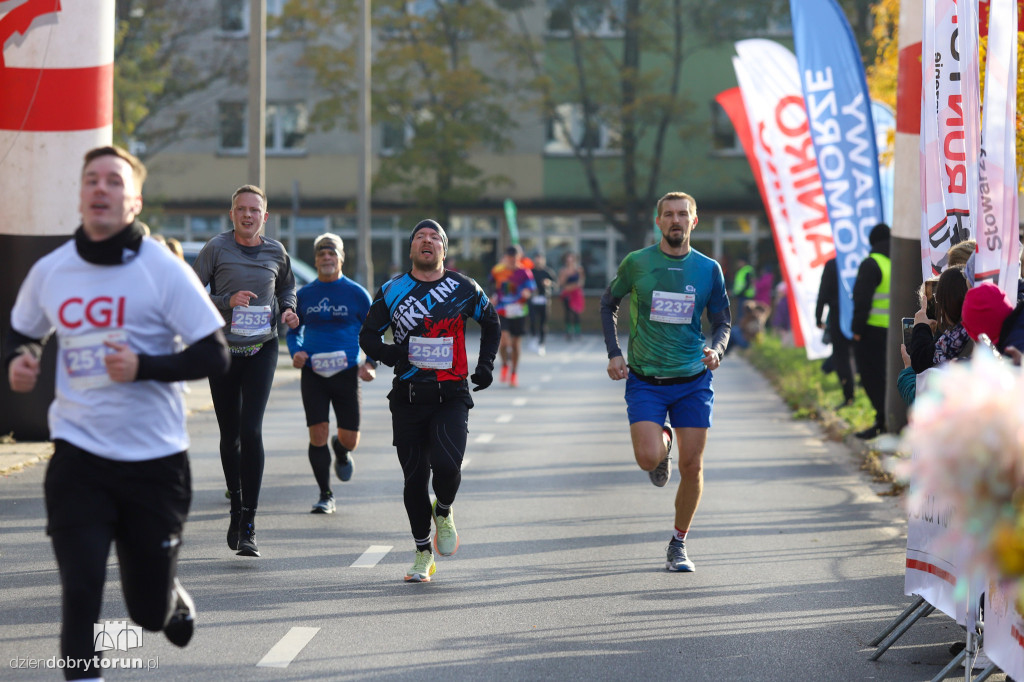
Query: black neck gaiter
{"points": [[110, 251]]}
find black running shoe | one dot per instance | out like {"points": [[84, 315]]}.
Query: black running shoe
{"points": [[869, 433], [233, 530], [343, 464], [247, 541], [182, 623]]}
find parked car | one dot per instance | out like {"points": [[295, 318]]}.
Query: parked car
{"points": [[304, 272]]}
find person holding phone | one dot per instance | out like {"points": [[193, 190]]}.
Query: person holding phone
{"points": [[942, 338]]}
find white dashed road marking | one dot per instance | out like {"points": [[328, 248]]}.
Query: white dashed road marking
{"points": [[504, 418], [372, 556], [289, 646], [484, 438], [518, 402]]}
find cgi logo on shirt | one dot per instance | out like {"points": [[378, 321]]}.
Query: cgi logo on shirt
{"points": [[102, 311]]}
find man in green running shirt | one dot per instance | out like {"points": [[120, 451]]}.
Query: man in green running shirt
{"points": [[669, 285]]}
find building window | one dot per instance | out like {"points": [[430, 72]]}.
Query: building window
{"points": [[286, 122], [232, 126], [724, 140], [286, 127], [421, 8], [569, 126], [397, 133], [234, 14], [394, 136], [590, 17]]}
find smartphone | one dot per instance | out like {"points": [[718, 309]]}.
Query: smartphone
{"points": [[908, 331]]}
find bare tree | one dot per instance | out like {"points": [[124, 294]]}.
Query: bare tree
{"points": [[609, 78], [438, 89], [165, 52]]}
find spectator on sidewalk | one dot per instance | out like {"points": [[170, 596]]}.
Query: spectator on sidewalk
{"points": [[937, 341], [871, 324], [841, 360]]}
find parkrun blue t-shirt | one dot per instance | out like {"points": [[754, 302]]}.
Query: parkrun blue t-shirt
{"points": [[330, 317]]}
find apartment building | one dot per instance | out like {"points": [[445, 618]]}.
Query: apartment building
{"points": [[311, 173]]}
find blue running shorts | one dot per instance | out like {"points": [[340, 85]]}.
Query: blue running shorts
{"points": [[687, 405]]}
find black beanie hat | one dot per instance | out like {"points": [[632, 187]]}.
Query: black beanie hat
{"points": [[879, 234], [433, 225]]}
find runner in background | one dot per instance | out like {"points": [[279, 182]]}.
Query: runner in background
{"points": [[545, 280], [251, 284], [325, 346], [513, 287], [426, 310]]}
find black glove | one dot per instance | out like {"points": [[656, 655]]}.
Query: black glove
{"points": [[482, 377], [392, 353]]}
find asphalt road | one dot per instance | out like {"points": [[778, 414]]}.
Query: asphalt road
{"points": [[560, 574]]}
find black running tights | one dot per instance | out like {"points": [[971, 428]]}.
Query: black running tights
{"points": [[147, 571], [429, 438], [240, 399]]}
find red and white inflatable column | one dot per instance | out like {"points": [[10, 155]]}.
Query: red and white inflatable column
{"points": [[57, 82]]}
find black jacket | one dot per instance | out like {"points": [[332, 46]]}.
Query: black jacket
{"points": [[828, 295], [869, 276]]}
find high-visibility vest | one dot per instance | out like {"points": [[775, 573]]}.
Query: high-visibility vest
{"points": [[879, 315], [744, 273]]}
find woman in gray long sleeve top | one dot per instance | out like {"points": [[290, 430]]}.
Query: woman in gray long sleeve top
{"points": [[252, 285]]}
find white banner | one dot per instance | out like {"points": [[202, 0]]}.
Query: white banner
{"points": [[950, 133], [998, 258], [1004, 629], [769, 79], [933, 564]]}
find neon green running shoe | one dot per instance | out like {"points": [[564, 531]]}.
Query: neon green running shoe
{"points": [[422, 568], [446, 538]]}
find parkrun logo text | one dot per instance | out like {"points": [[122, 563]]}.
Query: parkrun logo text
{"points": [[324, 306]]}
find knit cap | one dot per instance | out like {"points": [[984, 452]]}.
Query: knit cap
{"points": [[431, 225], [985, 309]]}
